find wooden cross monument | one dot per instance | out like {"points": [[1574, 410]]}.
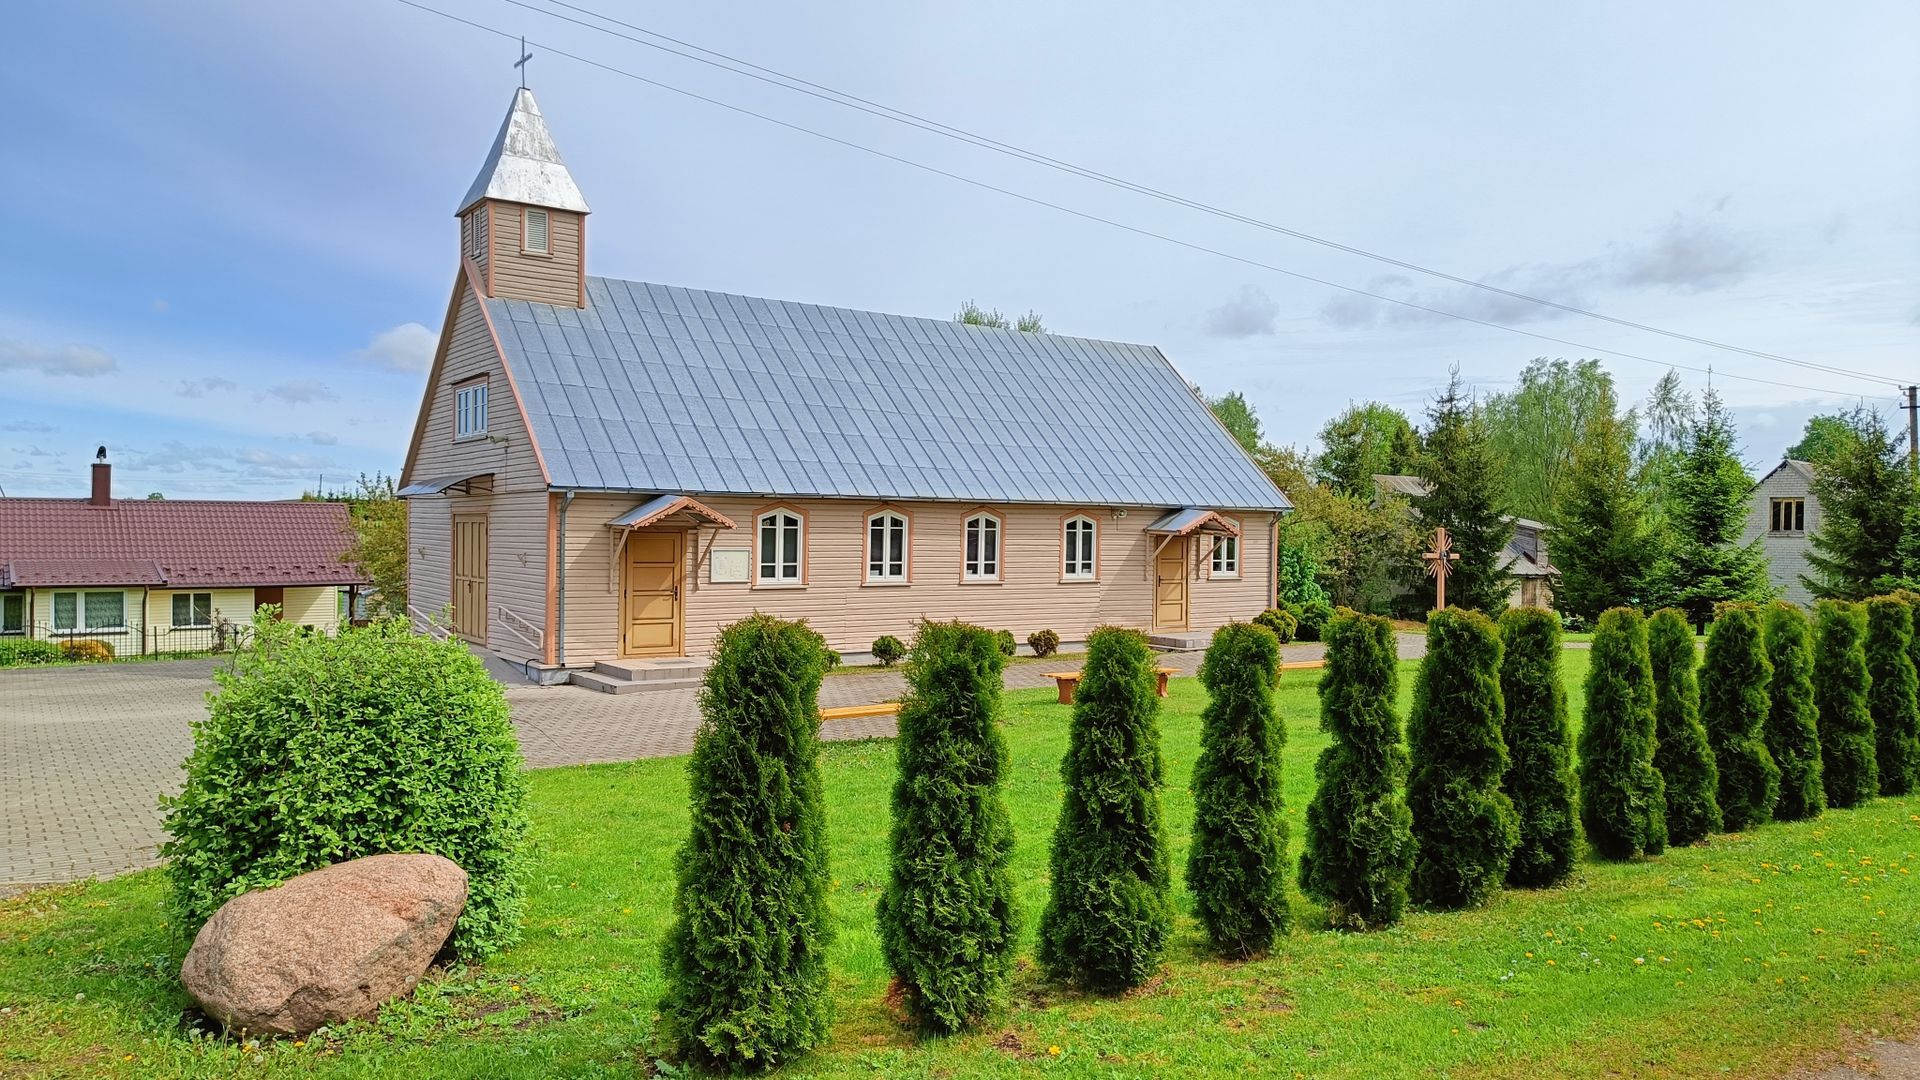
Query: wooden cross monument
{"points": [[1440, 565]]}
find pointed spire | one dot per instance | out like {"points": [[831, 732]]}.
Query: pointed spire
{"points": [[524, 166]]}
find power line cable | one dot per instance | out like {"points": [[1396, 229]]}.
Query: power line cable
{"points": [[774, 77], [1086, 216]]}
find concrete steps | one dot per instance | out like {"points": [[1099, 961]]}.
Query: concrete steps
{"points": [[633, 676], [1178, 642]]}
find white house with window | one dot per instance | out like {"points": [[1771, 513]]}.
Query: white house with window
{"points": [[1782, 515]]}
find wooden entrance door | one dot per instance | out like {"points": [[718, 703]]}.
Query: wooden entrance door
{"points": [[1170, 586], [470, 577], [650, 595]]}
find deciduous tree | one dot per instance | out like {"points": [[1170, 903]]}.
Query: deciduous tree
{"points": [[1536, 426], [1367, 440]]}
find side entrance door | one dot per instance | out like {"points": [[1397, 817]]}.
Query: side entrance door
{"points": [[650, 598], [1170, 586], [470, 577]]}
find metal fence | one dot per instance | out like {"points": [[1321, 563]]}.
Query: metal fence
{"points": [[221, 636]]}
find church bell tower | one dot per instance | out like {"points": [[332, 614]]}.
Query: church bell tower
{"points": [[524, 222]]}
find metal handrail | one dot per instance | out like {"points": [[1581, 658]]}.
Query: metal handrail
{"points": [[434, 629], [508, 618]]}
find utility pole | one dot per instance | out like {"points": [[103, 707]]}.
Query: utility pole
{"points": [[1913, 427]]}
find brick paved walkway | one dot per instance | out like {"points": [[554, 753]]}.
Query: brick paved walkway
{"points": [[86, 753]]}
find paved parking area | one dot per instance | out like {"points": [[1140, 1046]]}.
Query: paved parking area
{"points": [[86, 753]]}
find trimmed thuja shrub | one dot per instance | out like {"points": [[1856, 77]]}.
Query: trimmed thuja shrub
{"points": [[1680, 752], [1280, 621], [947, 922], [1622, 801], [1891, 694], [1734, 679], [1793, 724], [1849, 767], [321, 749], [1044, 643], [745, 959], [888, 650], [1111, 908], [1237, 866], [1464, 827], [1539, 777], [1359, 843]]}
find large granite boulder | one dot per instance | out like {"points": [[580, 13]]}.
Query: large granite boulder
{"points": [[327, 946]]}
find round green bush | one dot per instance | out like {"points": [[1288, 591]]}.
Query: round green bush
{"points": [[1359, 839], [1891, 694], [1623, 803], [1004, 641], [1464, 826], [1280, 621], [888, 650], [1793, 721], [86, 651], [1044, 643], [745, 960], [321, 749], [18, 651], [1312, 617], [1110, 910], [1539, 777], [1735, 677], [1681, 755], [1237, 867], [1849, 764]]}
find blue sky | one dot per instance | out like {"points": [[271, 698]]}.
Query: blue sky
{"points": [[230, 238]]}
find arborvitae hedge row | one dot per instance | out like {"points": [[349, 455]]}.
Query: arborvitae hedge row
{"points": [[1849, 759], [745, 959], [1622, 800], [1464, 826], [1539, 777], [1680, 753], [1733, 705], [1891, 694], [947, 919], [1237, 866], [1111, 907], [1793, 723], [1359, 844]]}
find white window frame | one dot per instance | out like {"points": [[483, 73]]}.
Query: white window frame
{"points": [[1081, 562], [785, 574], [470, 400], [975, 532], [526, 231], [1225, 562], [21, 599], [884, 570], [172, 614], [80, 611]]}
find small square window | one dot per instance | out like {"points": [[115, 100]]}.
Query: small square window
{"points": [[192, 609]]}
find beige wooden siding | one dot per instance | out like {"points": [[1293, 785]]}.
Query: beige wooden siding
{"points": [[315, 606], [126, 642], [552, 278], [231, 605], [1031, 595], [505, 450]]}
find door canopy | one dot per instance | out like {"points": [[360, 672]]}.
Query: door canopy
{"points": [[1193, 521], [680, 510]]}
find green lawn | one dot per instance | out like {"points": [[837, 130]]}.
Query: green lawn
{"points": [[1750, 954]]}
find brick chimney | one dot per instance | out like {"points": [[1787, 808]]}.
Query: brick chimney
{"points": [[102, 481]]}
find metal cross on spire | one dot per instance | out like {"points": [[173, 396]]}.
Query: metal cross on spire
{"points": [[522, 63], [1440, 565]]}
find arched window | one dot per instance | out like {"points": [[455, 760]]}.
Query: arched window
{"points": [[782, 542], [980, 557], [1226, 557], [1079, 543], [887, 540]]}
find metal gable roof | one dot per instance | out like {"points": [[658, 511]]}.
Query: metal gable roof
{"points": [[654, 388]]}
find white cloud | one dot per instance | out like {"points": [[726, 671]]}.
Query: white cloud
{"points": [[303, 391], [83, 361], [159, 306], [323, 438], [1249, 313], [27, 425], [195, 388], [407, 347]]}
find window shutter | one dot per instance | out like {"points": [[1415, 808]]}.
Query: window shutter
{"points": [[537, 230]]}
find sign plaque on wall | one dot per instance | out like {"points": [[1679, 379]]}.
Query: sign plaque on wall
{"points": [[728, 565]]}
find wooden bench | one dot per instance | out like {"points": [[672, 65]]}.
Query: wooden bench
{"points": [[859, 712], [1067, 680], [1302, 665]]}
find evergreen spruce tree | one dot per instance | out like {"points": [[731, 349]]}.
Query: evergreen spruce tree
{"points": [[1681, 755], [1359, 843], [1464, 826], [1793, 723], [947, 919], [1849, 757], [745, 960], [1468, 495], [1733, 706], [1702, 560], [1602, 545], [1891, 694], [1111, 908], [1865, 491], [1622, 800], [1539, 776], [1237, 867]]}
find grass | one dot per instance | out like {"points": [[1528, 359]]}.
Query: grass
{"points": [[1750, 954]]}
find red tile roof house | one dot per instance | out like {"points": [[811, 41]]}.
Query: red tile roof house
{"points": [[157, 576]]}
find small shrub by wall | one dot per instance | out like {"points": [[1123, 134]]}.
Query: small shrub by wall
{"points": [[1793, 722], [1734, 681], [1623, 803], [745, 960], [1891, 694], [888, 650], [1849, 759], [1044, 643], [1464, 826], [86, 651], [1681, 755], [1237, 866], [1111, 907], [1539, 777], [1359, 842], [1280, 621], [1312, 618]]}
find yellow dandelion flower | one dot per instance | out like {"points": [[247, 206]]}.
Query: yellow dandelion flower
{"points": [[1054, 1050]]}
